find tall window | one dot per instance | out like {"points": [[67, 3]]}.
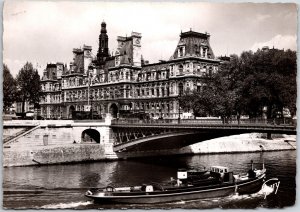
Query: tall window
{"points": [[162, 91], [117, 61], [158, 75], [181, 51], [198, 88], [210, 71], [180, 88], [196, 48], [180, 68], [139, 77], [204, 52]]}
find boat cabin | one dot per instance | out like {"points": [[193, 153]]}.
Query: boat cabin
{"points": [[219, 169], [222, 173]]}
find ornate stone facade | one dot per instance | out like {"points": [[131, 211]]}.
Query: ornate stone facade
{"points": [[124, 84]]}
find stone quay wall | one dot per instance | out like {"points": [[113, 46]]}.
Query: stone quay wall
{"points": [[54, 155]]}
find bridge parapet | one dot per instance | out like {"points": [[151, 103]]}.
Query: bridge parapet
{"points": [[129, 133], [232, 122]]}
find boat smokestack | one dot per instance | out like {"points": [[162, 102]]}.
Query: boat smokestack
{"points": [[252, 164]]}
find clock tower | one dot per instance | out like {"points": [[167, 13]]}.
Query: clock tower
{"points": [[103, 52], [137, 54]]}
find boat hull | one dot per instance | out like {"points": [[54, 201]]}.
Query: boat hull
{"points": [[160, 198], [250, 186]]}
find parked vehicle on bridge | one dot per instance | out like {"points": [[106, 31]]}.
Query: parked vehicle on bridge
{"points": [[218, 181]]}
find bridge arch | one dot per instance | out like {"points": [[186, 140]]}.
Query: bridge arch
{"points": [[90, 135]]}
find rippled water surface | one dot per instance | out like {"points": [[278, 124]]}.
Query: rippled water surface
{"points": [[63, 186]]}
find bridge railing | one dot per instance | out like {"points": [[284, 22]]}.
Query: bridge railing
{"points": [[257, 121]]}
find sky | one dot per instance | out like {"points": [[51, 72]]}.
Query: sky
{"points": [[46, 31]]}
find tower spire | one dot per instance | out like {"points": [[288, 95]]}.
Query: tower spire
{"points": [[103, 51]]}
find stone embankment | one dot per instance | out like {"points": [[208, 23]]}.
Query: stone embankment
{"points": [[254, 142], [54, 154]]}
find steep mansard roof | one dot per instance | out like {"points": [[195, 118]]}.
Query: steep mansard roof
{"points": [[192, 42]]}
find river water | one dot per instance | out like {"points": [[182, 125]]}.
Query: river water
{"points": [[63, 186]]}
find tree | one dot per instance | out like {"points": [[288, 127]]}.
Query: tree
{"points": [[29, 85], [9, 88], [267, 79], [248, 84]]}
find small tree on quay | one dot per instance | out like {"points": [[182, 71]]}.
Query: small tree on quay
{"points": [[9, 88], [28, 85]]}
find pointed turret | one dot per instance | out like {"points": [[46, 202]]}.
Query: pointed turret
{"points": [[103, 51]]}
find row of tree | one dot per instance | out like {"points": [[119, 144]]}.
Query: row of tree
{"points": [[26, 87], [257, 83]]}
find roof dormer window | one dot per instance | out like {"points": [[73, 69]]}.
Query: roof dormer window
{"points": [[181, 51], [197, 50], [204, 53]]}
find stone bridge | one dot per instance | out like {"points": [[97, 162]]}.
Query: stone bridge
{"points": [[132, 135], [138, 135]]}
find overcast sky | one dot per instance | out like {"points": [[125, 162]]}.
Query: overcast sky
{"points": [[42, 32]]}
